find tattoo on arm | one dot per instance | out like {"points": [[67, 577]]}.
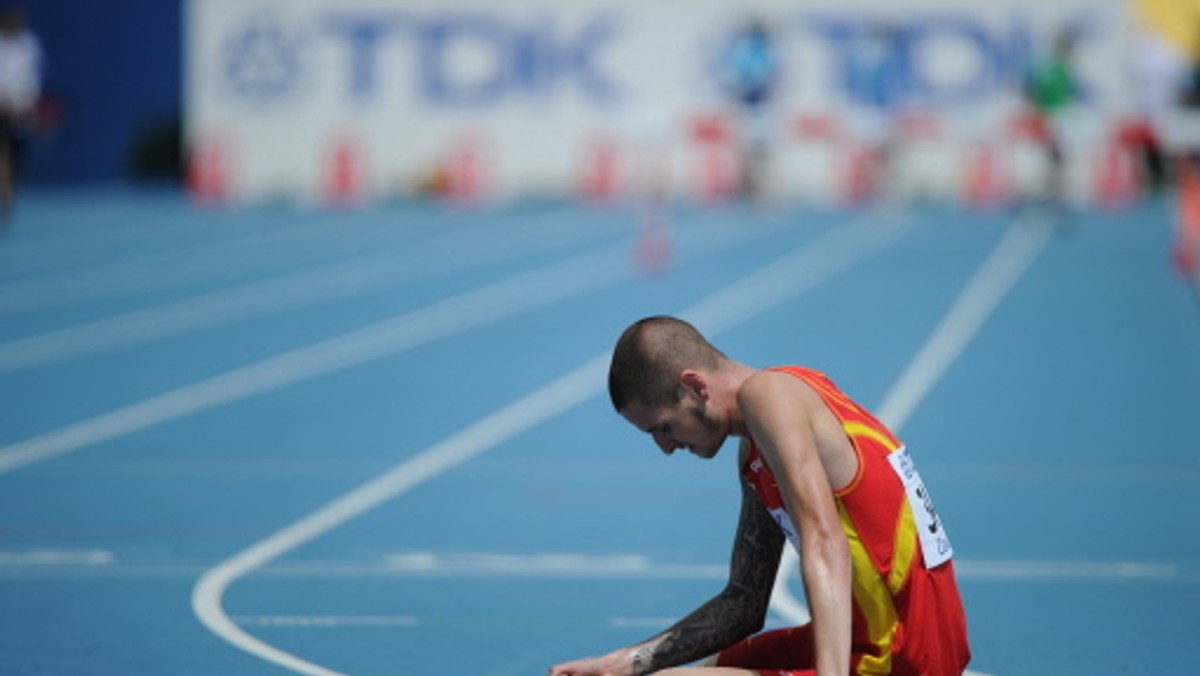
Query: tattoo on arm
{"points": [[757, 548], [738, 611]]}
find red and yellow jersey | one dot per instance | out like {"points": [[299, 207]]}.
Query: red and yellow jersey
{"points": [[908, 617]]}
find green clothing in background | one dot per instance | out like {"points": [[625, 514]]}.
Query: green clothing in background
{"points": [[1051, 86]]}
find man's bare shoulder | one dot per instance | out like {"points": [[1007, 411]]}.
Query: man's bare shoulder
{"points": [[768, 386]]}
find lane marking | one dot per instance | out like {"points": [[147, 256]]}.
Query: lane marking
{"points": [[325, 621], [541, 565], [996, 276], [501, 300], [1032, 571], [187, 261], [523, 414], [357, 275], [799, 271], [57, 557], [546, 566]]}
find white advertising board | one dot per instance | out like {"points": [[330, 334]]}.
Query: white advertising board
{"points": [[304, 98]]}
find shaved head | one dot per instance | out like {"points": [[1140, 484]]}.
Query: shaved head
{"points": [[649, 357]]}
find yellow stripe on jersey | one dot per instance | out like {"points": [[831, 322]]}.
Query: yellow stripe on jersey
{"points": [[905, 543], [856, 429], [873, 599]]}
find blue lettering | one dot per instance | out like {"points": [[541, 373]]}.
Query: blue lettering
{"points": [[879, 62], [578, 59], [438, 38], [363, 35], [839, 36], [506, 59]]}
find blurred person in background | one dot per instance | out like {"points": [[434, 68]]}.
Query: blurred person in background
{"points": [[1051, 86], [749, 75], [1156, 70], [20, 90], [1188, 100]]}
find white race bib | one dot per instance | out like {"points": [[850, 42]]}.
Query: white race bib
{"points": [[935, 545], [785, 524]]}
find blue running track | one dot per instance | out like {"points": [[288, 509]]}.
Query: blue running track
{"points": [[377, 441]]}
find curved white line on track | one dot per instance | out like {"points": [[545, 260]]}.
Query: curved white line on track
{"points": [[1012, 256], [789, 276], [521, 415]]}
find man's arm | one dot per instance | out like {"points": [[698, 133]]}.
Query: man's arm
{"points": [[741, 607], [783, 416], [735, 613]]}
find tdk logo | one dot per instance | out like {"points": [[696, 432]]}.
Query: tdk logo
{"points": [[509, 57], [990, 58]]}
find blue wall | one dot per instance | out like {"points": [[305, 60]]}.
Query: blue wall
{"points": [[116, 68]]}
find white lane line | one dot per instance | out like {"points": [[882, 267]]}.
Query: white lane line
{"points": [[475, 308], [978, 300], [794, 272], [192, 262], [1033, 571], [132, 274], [798, 271], [539, 565], [57, 557], [325, 621], [184, 262], [519, 416], [981, 296], [546, 566], [339, 280], [501, 300]]}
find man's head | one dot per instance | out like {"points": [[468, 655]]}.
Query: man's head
{"points": [[658, 380], [650, 356]]}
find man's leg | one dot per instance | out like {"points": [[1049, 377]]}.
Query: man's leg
{"points": [[730, 671], [790, 648], [782, 652]]}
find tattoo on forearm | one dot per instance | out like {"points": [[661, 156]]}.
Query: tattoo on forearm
{"points": [[757, 547], [738, 611]]}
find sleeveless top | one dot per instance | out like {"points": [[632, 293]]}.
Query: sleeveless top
{"points": [[908, 617]]}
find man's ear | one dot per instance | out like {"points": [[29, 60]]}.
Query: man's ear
{"points": [[694, 382]]}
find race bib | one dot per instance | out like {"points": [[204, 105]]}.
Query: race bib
{"points": [[785, 524], [935, 546]]}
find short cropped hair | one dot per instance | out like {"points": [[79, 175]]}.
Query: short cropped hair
{"points": [[649, 357]]}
